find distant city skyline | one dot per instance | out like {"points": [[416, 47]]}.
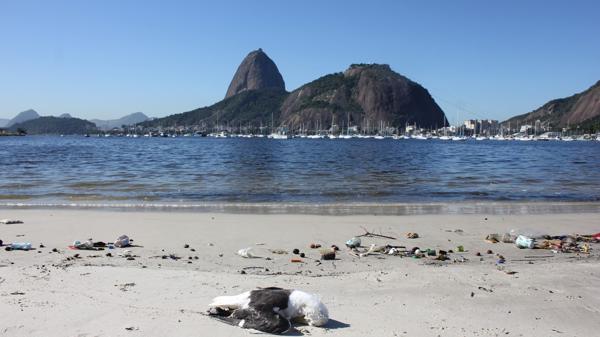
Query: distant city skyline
{"points": [[107, 59]]}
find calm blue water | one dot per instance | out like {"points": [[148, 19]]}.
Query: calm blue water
{"points": [[187, 170]]}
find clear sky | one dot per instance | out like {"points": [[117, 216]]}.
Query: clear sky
{"points": [[105, 59]]}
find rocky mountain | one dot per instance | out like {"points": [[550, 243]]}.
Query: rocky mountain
{"points": [[134, 118], [369, 95], [256, 72], [23, 117], [579, 109], [55, 125]]}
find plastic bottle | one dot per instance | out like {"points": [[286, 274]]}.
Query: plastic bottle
{"points": [[20, 245], [353, 243]]}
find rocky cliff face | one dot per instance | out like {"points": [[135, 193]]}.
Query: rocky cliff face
{"points": [[370, 96], [573, 110], [257, 71]]}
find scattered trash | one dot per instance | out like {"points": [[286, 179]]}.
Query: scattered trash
{"points": [[126, 253], [247, 253], [493, 238], [327, 254], [508, 238], [501, 259], [186, 246], [10, 221], [489, 251], [296, 251], [353, 243], [585, 248], [20, 246], [334, 247], [279, 251], [125, 286], [296, 260], [83, 245], [523, 241], [302, 255], [315, 245], [122, 241], [460, 249], [412, 235]]}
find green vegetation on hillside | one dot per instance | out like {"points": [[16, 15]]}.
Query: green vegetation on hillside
{"points": [[252, 106], [55, 125]]}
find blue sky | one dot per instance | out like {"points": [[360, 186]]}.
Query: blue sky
{"points": [[104, 59]]}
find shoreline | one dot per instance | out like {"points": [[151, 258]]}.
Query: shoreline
{"points": [[392, 209]]}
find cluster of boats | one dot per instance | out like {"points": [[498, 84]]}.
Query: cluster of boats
{"points": [[542, 137], [516, 137]]}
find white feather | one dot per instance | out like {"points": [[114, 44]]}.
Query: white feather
{"points": [[231, 302]]}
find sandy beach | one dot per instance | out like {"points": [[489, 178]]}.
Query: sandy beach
{"points": [[534, 293]]}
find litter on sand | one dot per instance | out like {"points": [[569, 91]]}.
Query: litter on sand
{"points": [[247, 253], [10, 221], [19, 246], [558, 244], [122, 241], [353, 243]]}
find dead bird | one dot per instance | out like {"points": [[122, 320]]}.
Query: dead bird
{"points": [[270, 309]]}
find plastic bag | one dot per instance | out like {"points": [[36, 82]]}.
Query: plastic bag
{"points": [[247, 253], [122, 241], [523, 241]]}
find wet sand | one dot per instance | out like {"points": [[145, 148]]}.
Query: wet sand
{"points": [[45, 293]]}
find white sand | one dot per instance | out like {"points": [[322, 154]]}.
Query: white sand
{"points": [[44, 294]]}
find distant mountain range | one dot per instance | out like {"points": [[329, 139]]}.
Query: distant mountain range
{"points": [[55, 125], [22, 117], [134, 118], [370, 96], [33, 123], [581, 109]]}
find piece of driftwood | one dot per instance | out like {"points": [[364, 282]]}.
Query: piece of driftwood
{"points": [[369, 234]]}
